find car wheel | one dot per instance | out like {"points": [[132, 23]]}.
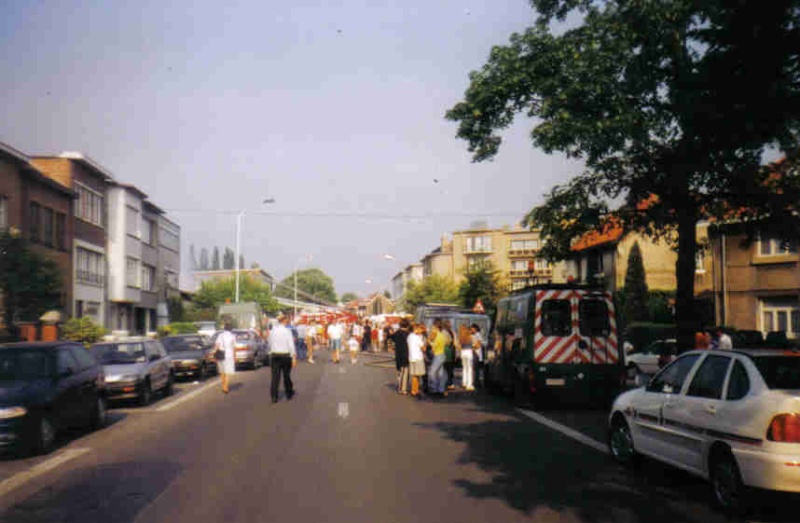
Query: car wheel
{"points": [[726, 482], [620, 442], [45, 435], [169, 388], [147, 394], [100, 414], [202, 374], [256, 362]]}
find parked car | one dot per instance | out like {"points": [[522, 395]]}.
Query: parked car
{"points": [[192, 355], [642, 363], [251, 349], [44, 388], [727, 416], [206, 328], [135, 369]]}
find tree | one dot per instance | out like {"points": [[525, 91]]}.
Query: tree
{"points": [[636, 296], [432, 289], [481, 282], [215, 263], [312, 284], [228, 259], [204, 264], [83, 330], [30, 283], [670, 105], [348, 297], [214, 293], [387, 295]]}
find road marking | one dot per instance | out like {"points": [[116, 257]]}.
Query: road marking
{"points": [[344, 410], [341, 370], [187, 396], [19, 479], [563, 429]]}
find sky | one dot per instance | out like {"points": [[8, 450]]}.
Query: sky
{"points": [[334, 110]]}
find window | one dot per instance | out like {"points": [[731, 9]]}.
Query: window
{"points": [[85, 361], [47, 226], [89, 206], [169, 237], [66, 362], [780, 372], [707, 382], [781, 314], [519, 265], [594, 318], [556, 318], [517, 285], [699, 261], [769, 246], [148, 277], [541, 265], [132, 272], [3, 213], [479, 244], [670, 380], [739, 383], [61, 231], [35, 222], [524, 245], [90, 267], [148, 228], [132, 226]]}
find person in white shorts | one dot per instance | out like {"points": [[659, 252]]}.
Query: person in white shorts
{"points": [[352, 344]]}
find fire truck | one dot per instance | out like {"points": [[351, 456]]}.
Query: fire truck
{"points": [[556, 343]]}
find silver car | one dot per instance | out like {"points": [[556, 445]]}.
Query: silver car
{"points": [[135, 369]]}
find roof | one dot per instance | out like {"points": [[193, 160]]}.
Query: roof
{"points": [[14, 154], [610, 233], [85, 160], [131, 188]]}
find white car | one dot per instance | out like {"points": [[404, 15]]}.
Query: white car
{"points": [[642, 363], [732, 417]]}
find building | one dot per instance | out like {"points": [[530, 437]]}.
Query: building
{"points": [[88, 180], [412, 273], [38, 208], [169, 265]]}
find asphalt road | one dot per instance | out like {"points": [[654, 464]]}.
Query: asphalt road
{"points": [[347, 448]]}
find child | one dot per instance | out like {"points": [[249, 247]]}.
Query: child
{"points": [[352, 344]]}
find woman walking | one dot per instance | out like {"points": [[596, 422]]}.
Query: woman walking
{"points": [[416, 359], [226, 364]]}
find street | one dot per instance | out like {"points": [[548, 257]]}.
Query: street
{"points": [[346, 448]]}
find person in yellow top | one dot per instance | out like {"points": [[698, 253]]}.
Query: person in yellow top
{"points": [[439, 339]]}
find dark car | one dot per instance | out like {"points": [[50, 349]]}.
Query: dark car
{"points": [[191, 355], [44, 388]]}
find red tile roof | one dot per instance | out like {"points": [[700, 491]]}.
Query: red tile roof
{"points": [[610, 233]]}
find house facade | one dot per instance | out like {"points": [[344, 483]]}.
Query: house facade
{"points": [[413, 272]]}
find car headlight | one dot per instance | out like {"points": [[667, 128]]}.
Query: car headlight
{"points": [[122, 377], [12, 412], [189, 362]]}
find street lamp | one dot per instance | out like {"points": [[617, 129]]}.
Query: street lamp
{"points": [[239, 241]]}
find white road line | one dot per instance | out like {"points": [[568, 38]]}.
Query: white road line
{"points": [[563, 429], [344, 410], [187, 396], [19, 479]]}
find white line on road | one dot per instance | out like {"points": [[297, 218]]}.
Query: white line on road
{"points": [[17, 480], [563, 429], [344, 410], [186, 397]]}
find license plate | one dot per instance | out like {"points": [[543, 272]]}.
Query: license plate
{"points": [[555, 382]]}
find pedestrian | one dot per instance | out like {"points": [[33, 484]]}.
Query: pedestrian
{"points": [[449, 356], [283, 357], [439, 339], [374, 338], [467, 367], [416, 359], [352, 344], [225, 345], [387, 334], [366, 339], [302, 348], [724, 341], [335, 331], [702, 340], [311, 336], [478, 348], [400, 340]]}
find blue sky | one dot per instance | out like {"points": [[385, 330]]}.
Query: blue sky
{"points": [[333, 108]]}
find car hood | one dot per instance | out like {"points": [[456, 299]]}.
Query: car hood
{"points": [[124, 368], [22, 393], [187, 355]]}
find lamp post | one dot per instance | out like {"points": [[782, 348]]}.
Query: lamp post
{"points": [[239, 241]]}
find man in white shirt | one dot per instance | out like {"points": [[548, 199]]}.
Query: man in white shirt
{"points": [[283, 357], [335, 336], [724, 341]]}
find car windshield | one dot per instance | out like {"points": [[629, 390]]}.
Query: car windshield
{"points": [[183, 344], [779, 372], [24, 365], [118, 354]]}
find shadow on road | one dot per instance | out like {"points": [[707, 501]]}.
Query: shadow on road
{"points": [[114, 492], [541, 473]]}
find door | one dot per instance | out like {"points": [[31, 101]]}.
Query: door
{"points": [[67, 404], [88, 374], [661, 395], [154, 365]]}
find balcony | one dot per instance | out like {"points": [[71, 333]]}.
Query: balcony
{"points": [[478, 250], [90, 278], [538, 273], [518, 253]]}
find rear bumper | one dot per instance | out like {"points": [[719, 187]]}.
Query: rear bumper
{"points": [[768, 470]]}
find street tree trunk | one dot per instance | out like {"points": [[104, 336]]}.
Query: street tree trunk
{"points": [[684, 299]]}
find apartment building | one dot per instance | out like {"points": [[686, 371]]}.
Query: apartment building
{"points": [[168, 267], [401, 280]]}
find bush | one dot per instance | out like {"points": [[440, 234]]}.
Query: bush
{"points": [[171, 329], [643, 333], [84, 330]]}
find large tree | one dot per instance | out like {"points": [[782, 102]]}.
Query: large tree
{"points": [[214, 293], [30, 284], [348, 297], [432, 289], [481, 282], [312, 285], [670, 105]]}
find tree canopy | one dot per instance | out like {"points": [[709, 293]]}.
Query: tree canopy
{"points": [[349, 296], [312, 283], [432, 289], [214, 293], [671, 106], [481, 282]]}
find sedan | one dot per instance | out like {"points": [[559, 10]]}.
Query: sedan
{"points": [[44, 388], [135, 369], [250, 350], [191, 355], [643, 363], [732, 417]]}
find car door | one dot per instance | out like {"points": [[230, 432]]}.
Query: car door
{"points": [[88, 375], [158, 364], [67, 403], [694, 413], [651, 436]]}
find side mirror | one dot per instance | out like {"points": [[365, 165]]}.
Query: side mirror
{"points": [[154, 357]]}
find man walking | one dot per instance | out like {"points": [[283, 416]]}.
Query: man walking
{"points": [[335, 331], [282, 358]]}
